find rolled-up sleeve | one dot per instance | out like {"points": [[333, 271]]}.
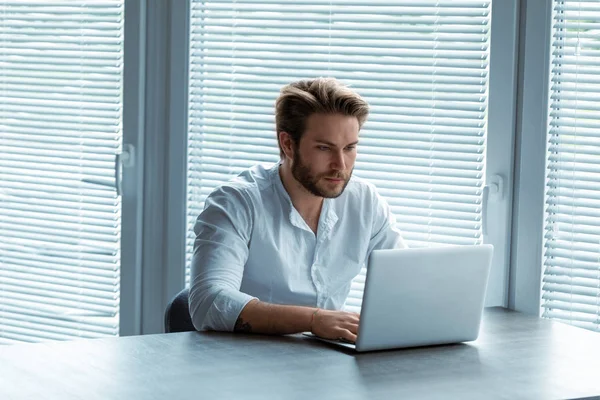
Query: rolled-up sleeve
{"points": [[384, 235], [223, 231]]}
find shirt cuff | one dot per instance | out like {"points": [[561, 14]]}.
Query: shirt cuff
{"points": [[225, 310]]}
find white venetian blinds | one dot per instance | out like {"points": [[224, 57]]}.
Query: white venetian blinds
{"points": [[422, 65], [60, 128], [571, 279]]}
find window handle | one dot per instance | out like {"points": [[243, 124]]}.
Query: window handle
{"points": [[126, 158], [492, 191]]}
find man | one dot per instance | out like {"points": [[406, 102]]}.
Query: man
{"points": [[276, 249]]}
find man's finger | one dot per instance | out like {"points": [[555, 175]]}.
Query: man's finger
{"points": [[351, 327], [353, 317], [346, 334]]}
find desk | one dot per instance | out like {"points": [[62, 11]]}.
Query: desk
{"points": [[515, 357]]}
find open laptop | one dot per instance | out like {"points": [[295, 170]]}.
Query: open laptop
{"points": [[422, 297]]}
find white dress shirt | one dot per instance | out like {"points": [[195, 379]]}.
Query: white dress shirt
{"points": [[252, 243]]}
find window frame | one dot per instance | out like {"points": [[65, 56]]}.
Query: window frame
{"points": [[500, 143], [133, 177], [155, 124], [530, 159]]}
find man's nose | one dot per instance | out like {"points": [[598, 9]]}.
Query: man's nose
{"points": [[338, 162]]}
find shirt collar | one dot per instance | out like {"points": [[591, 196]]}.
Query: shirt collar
{"points": [[327, 219]]}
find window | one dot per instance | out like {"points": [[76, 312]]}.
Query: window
{"points": [[60, 129], [422, 66], [571, 260]]}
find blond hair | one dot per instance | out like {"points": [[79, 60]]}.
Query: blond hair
{"points": [[299, 100]]}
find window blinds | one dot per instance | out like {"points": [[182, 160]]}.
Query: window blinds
{"points": [[60, 128], [422, 66], [571, 279]]}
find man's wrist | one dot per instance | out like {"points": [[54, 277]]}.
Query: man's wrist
{"points": [[312, 319]]}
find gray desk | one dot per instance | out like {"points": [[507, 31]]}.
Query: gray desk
{"points": [[515, 357]]}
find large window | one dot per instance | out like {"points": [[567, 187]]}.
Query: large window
{"points": [[422, 66], [571, 278], [60, 130]]}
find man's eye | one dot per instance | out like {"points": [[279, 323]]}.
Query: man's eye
{"points": [[323, 148], [350, 148]]}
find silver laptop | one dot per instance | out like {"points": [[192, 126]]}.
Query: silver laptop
{"points": [[422, 297]]}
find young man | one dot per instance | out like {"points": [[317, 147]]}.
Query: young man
{"points": [[276, 249]]}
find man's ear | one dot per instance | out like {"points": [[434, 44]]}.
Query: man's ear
{"points": [[287, 144]]}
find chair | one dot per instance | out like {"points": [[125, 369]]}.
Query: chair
{"points": [[177, 314]]}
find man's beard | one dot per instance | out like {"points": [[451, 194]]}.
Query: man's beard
{"points": [[302, 173]]}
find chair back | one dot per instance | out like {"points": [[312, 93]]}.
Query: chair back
{"points": [[177, 314]]}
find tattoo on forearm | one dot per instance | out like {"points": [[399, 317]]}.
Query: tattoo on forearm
{"points": [[242, 326]]}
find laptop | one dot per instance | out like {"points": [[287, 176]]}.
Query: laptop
{"points": [[422, 297]]}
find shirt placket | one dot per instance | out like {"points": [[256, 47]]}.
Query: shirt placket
{"points": [[318, 265], [316, 272]]}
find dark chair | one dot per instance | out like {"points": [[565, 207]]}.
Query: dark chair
{"points": [[177, 314]]}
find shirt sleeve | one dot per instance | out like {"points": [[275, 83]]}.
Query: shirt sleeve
{"points": [[223, 231], [384, 234]]}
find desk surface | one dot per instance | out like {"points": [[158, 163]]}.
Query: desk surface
{"points": [[515, 357]]}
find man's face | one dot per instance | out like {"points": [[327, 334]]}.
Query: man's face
{"points": [[324, 159]]}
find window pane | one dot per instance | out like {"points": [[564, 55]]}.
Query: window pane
{"points": [[60, 129], [571, 279], [422, 66]]}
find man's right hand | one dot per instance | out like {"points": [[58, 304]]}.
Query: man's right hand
{"points": [[335, 324]]}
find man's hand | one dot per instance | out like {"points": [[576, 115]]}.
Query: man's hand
{"points": [[335, 324]]}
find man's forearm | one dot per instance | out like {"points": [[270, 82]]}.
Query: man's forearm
{"points": [[274, 319]]}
